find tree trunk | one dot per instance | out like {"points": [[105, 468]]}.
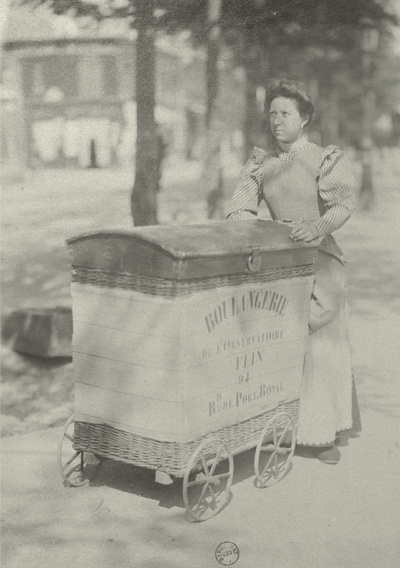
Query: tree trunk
{"points": [[368, 103], [329, 104], [212, 176], [252, 116], [330, 116], [144, 193], [251, 104], [213, 50]]}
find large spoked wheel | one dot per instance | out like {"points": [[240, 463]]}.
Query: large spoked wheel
{"points": [[208, 479], [273, 457], [77, 467]]}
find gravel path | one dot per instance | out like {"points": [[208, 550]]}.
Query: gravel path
{"points": [[343, 516]]}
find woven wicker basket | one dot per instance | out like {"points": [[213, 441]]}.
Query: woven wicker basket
{"points": [[119, 268], [166, 288], [173, 458]]}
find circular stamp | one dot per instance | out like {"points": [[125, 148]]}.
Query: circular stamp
{"points": [[227, 553]]}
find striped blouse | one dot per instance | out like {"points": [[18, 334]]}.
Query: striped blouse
{"points": [[335, 185]]}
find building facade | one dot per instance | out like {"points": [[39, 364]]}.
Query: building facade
{"points": [[73, 98]]}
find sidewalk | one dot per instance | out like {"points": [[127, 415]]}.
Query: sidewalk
{"points": [[345, 516], [319, 516]]}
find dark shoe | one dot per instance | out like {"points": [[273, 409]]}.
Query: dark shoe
{"points": [[329, 455], [342, 438]]}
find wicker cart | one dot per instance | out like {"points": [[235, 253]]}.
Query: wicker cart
{"points": [[188, 348]]}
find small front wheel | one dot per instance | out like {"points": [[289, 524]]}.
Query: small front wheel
{"points": [[77, 467], [208, 479], [273, 456]]}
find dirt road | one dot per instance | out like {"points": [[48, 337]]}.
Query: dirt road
{"points": [[343, 516], [319, 516]]}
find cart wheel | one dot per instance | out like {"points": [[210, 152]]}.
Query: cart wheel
{"points": [[77, 467], [208, 479], [272, 458]]}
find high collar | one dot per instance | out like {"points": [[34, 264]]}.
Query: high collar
{"points": [[296, 146]]}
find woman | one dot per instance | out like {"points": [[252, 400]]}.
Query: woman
{"points": [[310, 188]]}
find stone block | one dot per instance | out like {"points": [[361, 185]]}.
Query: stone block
{"points": [[45, 332]]}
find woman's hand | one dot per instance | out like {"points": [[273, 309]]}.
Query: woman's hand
{"points": [[306, 232]]}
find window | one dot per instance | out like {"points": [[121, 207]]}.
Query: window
{"points": [[110, 75], [52, 73]]}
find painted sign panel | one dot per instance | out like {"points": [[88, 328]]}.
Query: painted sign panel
{"points": [[176, 369]]}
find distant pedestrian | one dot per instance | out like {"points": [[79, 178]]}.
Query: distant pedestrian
{"points": [[310, 188], [161, 153]]}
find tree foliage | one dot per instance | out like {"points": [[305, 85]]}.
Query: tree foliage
{"points": [[315, 35], [303, 21]]}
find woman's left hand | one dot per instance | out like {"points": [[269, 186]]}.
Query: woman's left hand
{"points": [[306, 232]]}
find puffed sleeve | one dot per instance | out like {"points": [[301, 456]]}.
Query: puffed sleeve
{"points": [[247, 195], [335, 183]]}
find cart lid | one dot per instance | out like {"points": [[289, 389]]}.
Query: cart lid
{"points": [[190, 251]]}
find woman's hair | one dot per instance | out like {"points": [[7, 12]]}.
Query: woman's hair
{"points": [[291, 90]]}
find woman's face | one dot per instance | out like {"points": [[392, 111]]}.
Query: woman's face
{"points": [[285, 120]]}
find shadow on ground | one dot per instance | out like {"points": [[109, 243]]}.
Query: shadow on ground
{"points": [[141, 481]]}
